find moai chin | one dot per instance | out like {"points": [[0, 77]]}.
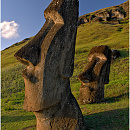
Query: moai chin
{"points": [[49, 57], [95, 75]]}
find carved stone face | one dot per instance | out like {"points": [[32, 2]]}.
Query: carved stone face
{"points": [[95, 75], [98, 67], [49, 56]]}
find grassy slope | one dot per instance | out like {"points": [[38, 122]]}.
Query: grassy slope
{"points": [[110, 114], [7, 55]]}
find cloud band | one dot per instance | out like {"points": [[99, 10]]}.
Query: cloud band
{"points": [[9, 29]]}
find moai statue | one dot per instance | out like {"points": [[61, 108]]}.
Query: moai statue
{"points": [[49, 57], [95, 75]]}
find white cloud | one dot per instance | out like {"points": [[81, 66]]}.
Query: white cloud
{"points": [[9, 29]]}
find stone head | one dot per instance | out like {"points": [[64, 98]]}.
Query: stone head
{"points": [[49, 56], [98, 67]]}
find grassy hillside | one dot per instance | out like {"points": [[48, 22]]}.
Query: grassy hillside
{"points": [[7, 55], [110, 114]]}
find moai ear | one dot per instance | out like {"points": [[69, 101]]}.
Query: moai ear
{"points": [[69, 40], [106, 67], [67, 60]]}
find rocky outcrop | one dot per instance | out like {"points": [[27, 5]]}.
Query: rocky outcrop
{"points": [[95, 75], [49, 58], [97, 19], [125, 7], [113, 13], [104, 15]]}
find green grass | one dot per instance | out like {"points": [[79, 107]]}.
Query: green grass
{"points": [[112, 113], [7, 55]]}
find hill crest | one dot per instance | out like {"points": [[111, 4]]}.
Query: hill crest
{"points": [[110, 14]]}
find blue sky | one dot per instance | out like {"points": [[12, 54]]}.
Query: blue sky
{"points": [[21, 19]]}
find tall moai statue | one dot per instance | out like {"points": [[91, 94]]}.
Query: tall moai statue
{"points": [[49, 58], [95, 75]]}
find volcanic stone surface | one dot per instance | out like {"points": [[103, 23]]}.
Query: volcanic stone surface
{"points": [[95, 75], [49, 57]]}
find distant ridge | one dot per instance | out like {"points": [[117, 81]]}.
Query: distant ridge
{"points": [[109, 14], [18, 43]]}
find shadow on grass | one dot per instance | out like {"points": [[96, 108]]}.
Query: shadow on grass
{"points": [[124, 53], [108, 120], [118, 98], [7, 119], [30, 127]]}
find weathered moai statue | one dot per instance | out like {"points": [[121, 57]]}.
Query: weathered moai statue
{"points": [[50, 61], [95, 75]]}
